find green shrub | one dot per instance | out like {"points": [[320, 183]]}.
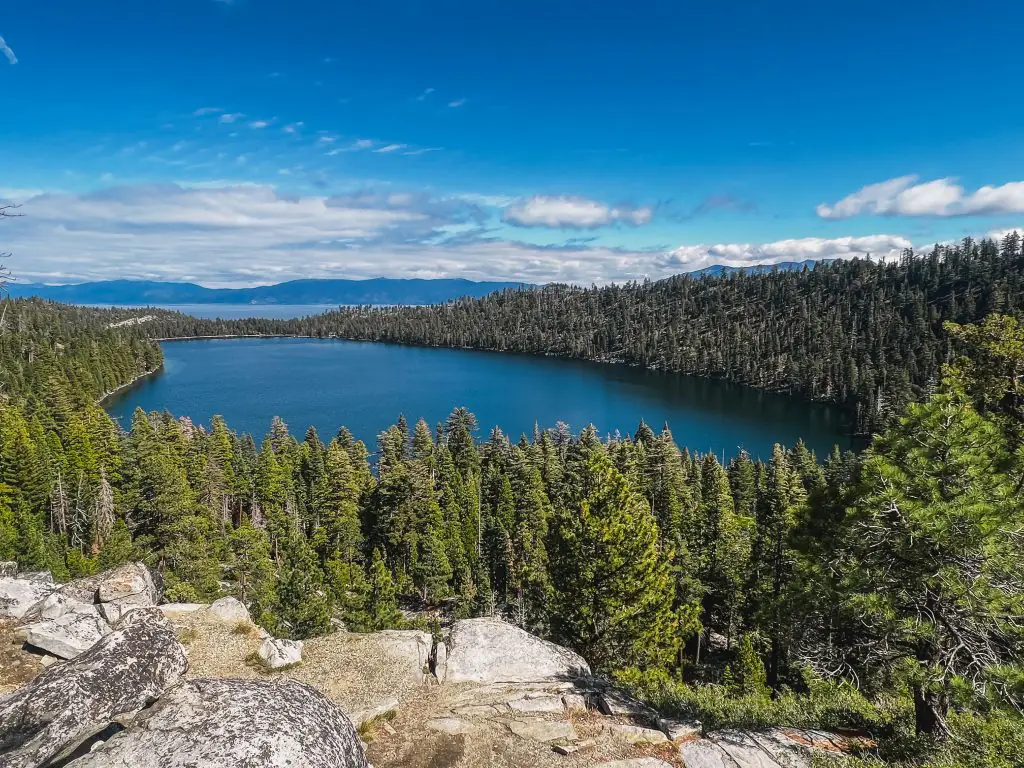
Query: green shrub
{"points": [[828, 705]]}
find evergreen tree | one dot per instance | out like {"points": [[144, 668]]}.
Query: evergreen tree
{"points": [[303, 609], [936, 561], [613, 594], [381, 602]]}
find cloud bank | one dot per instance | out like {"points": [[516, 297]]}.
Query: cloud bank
{"points": [[690, 257], [235, 234], [565, 212], [904, 196]]}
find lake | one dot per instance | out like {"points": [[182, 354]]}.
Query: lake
{"points": [[365, 386]]}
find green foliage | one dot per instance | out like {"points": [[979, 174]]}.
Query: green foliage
{"points": [[118, 548], [613, 593], [936, 563], [827, 705], [381, 603], [303, 609], [748, 675], [772, 588]]}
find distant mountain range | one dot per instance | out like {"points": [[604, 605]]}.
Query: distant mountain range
{"points": [[782, 266], [375, 291], [379, 290]]}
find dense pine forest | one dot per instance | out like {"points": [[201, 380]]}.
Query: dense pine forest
{"points": [[867, 336], [879, 592]]}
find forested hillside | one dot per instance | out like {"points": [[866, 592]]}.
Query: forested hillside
{"points": [[881, 592], [868, 336]]}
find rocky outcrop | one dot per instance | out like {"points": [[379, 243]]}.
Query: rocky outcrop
{"points": [[79, 591], [19, 593], [490, 650], [67, 619], [68, 704], [209, 723], [8, 569], [280, 654], [773, 748], [130, 585]]}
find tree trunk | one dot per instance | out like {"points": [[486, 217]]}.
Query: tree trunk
{"points": [[930, 706], [930, 713]]}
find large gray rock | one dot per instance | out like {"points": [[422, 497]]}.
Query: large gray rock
{"points": [[57, 604], [408, 649], [179, 611], [746, 749], [78, 591], [129, 584], [543, 730], [278, 654], [490, 650], [67, 704], [70, 634], [229, 609], [208, 723], [18, 595], [704, 753], [635, 734]]}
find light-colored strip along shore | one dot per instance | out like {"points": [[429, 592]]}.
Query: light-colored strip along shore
{"points": [[132, 321], [128, 384]]}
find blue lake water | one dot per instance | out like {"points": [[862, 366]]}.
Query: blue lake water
{"points": [[365, 386]]}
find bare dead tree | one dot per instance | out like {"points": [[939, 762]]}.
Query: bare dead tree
{"points": [[5, 274]]}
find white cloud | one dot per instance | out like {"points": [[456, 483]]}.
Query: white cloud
{"points": [[903, 196], [423, 96], [293, 127], [257, 124], [230, 117], [572, 213], [235, 232], [6, 50], [999, 234], [687, 258], [202, 111], [14, 195], [457, 103], [391, 148]]}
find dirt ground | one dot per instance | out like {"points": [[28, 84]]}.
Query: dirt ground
{"points": [[17, 666]]}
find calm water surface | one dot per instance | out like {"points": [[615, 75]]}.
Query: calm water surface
{"points": [[365, 386]]}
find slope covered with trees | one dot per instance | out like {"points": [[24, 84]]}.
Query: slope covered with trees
{"points": [[883, 591]]}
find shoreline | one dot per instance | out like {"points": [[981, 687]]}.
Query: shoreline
{"points": [[853, 433], [107, 395], [238, 336]]}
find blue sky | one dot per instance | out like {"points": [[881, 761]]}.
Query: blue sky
{"points": [[253, 141]]}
